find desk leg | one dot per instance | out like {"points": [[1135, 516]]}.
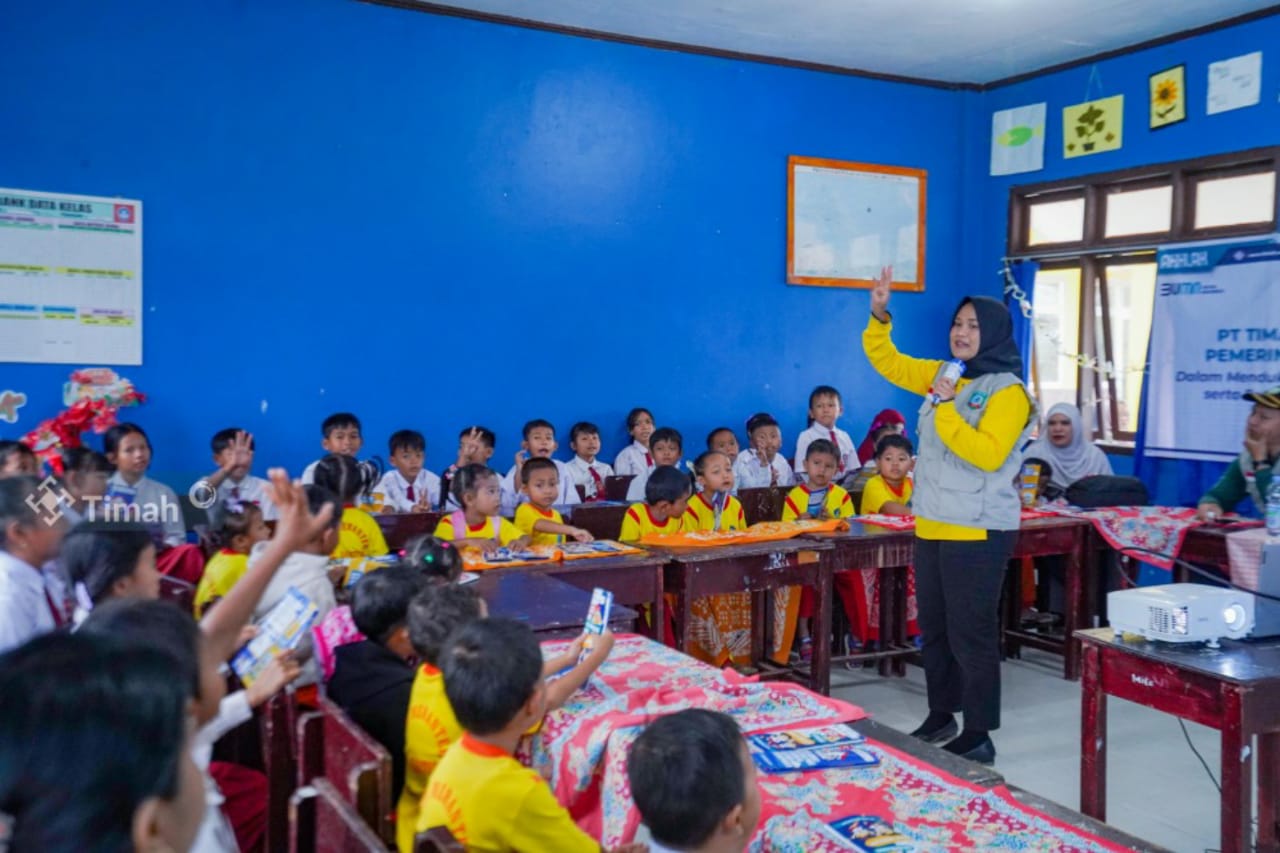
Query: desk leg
{"points": [[1268, 788], [1075, 607], [761, 615], [1093, 737], [898, 580], [684, 605], [885, 615], [659, 609], [820, 666], [1237, 775]]}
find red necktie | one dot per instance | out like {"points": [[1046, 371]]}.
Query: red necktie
{"points": [[595, 475], [409, 493], [839, 455], [648, 460], [59, 615]]}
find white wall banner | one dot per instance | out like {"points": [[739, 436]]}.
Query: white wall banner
{"points": [[1215, 334]]}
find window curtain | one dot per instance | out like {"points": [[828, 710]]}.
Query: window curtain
{"points": [[1019, 297]]}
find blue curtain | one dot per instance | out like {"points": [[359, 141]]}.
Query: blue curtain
{"points": [[1019, 296]]}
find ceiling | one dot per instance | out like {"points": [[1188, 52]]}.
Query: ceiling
{"points": [[953, 41]]}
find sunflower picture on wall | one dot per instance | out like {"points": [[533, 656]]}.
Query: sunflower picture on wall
{"points": [[1168, 96]]}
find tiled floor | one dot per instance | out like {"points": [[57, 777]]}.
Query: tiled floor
{"points": [[1156, 789]]}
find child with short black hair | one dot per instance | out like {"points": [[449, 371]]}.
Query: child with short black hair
{"points": [[584, 468], [129, 449], [666, 445], [16, 458], [240, 526], [721, 623], [408, 486], [350, 481], [372, 678], [475, 447], [434, 616], [538, 518], [105, 560], [694, 783], [477, 490], [84, 476], [435, 558], [538, 442], [635, 458], [233, 451], [723, 440], [713, 506], [33, 600], [494, 682], [341, 435], [95, 748], [761, 465], [825, 408], [889, 491], [666, 498]]}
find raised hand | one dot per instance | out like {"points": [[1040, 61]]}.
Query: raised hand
{"points": [[880, 294], [296, 526]]}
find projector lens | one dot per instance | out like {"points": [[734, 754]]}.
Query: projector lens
{"points": [[1234, 617]]}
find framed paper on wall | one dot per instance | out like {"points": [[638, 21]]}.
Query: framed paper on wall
{"points": [[846, 220], [1168, 96]]}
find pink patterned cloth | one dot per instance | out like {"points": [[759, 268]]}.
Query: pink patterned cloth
{"points": [[1244, 555], [583, 748], [1146, 528], [337, 628]]}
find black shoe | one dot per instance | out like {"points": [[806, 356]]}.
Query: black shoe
{"points": [[983, 753], [932, 732]]}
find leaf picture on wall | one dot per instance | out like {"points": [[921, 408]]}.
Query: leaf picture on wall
{"points": [[1093, 127], [1168, 96]]}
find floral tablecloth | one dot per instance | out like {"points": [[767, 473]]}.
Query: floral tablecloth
{"points": [[583, 747]]}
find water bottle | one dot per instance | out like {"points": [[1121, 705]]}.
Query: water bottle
{"points": [[1273, 509], [952, 370]]}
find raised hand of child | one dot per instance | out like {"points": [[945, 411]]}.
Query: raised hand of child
{"points": [[423, 504], [582, 535], [469, 449], [241, 450], [880, 294], [281, 671], [296, 526]]}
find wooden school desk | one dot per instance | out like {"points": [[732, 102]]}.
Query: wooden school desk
{"points": [[1234, 689], [1207, 546], [755, 567], [399, 527], [602, 519], [551, 607]]}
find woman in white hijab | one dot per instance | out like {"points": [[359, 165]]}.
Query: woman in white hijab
{"points": [[1063, 446]]}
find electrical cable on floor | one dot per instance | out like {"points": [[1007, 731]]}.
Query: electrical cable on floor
{"points": [[1186, 734]]}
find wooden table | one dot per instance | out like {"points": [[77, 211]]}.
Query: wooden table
{"points": [[890, 554], [551, 607], [1048, 537], [756, 567], [399, 527], [1234, 689], [1207, 546], [602, 519]]}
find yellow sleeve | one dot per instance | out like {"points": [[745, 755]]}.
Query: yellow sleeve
{"points": [[543, 824], [525, 519], [844, 505], [379, 542], [631, 527], [790, 510], [912, 374], [740, 520], [444, 530], [507, 532], [874, 495], [990, 444]]}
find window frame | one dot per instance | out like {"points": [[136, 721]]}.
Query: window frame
{"points": [[1095, 252]]}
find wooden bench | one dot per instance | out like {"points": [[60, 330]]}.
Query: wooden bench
{"points": [[321, 821], [438, 839], [332, 747]]}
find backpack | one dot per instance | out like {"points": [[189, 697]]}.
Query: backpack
{"points": [[1100, 491]]}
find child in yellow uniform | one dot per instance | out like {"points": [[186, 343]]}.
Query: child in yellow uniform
{"points": [[537, 518], [493, 680], [666, 498], [721, 623], [242, 528], [478, 525], [889, 491], [819, 497], [359, 535]]}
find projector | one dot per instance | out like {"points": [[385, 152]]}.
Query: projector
{"points": [[1182, 613]]}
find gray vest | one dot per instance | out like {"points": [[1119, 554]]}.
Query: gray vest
{"points": [[951, 490]]}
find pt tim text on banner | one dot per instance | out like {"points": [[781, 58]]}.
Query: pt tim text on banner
{"points": [[1215, 333]]}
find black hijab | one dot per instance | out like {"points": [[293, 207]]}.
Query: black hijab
{"points": [[997, 350]]}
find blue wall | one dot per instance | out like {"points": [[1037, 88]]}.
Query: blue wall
{"points": [[1200, 135], [434, 222]]}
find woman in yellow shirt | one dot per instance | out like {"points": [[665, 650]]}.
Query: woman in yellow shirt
{"points": [[967, 510]]}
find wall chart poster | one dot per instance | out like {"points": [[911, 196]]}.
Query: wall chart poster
{"points": [[70, 278], [1215, 333]]}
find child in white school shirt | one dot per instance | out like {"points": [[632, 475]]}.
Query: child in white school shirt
{"points": [[825, 408], [341, 435], [584, 468], [635, 458], [539, 441], [667, 446], [233, 454], [760, 465], [32, 597], [408, 486], [129, 450]]}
